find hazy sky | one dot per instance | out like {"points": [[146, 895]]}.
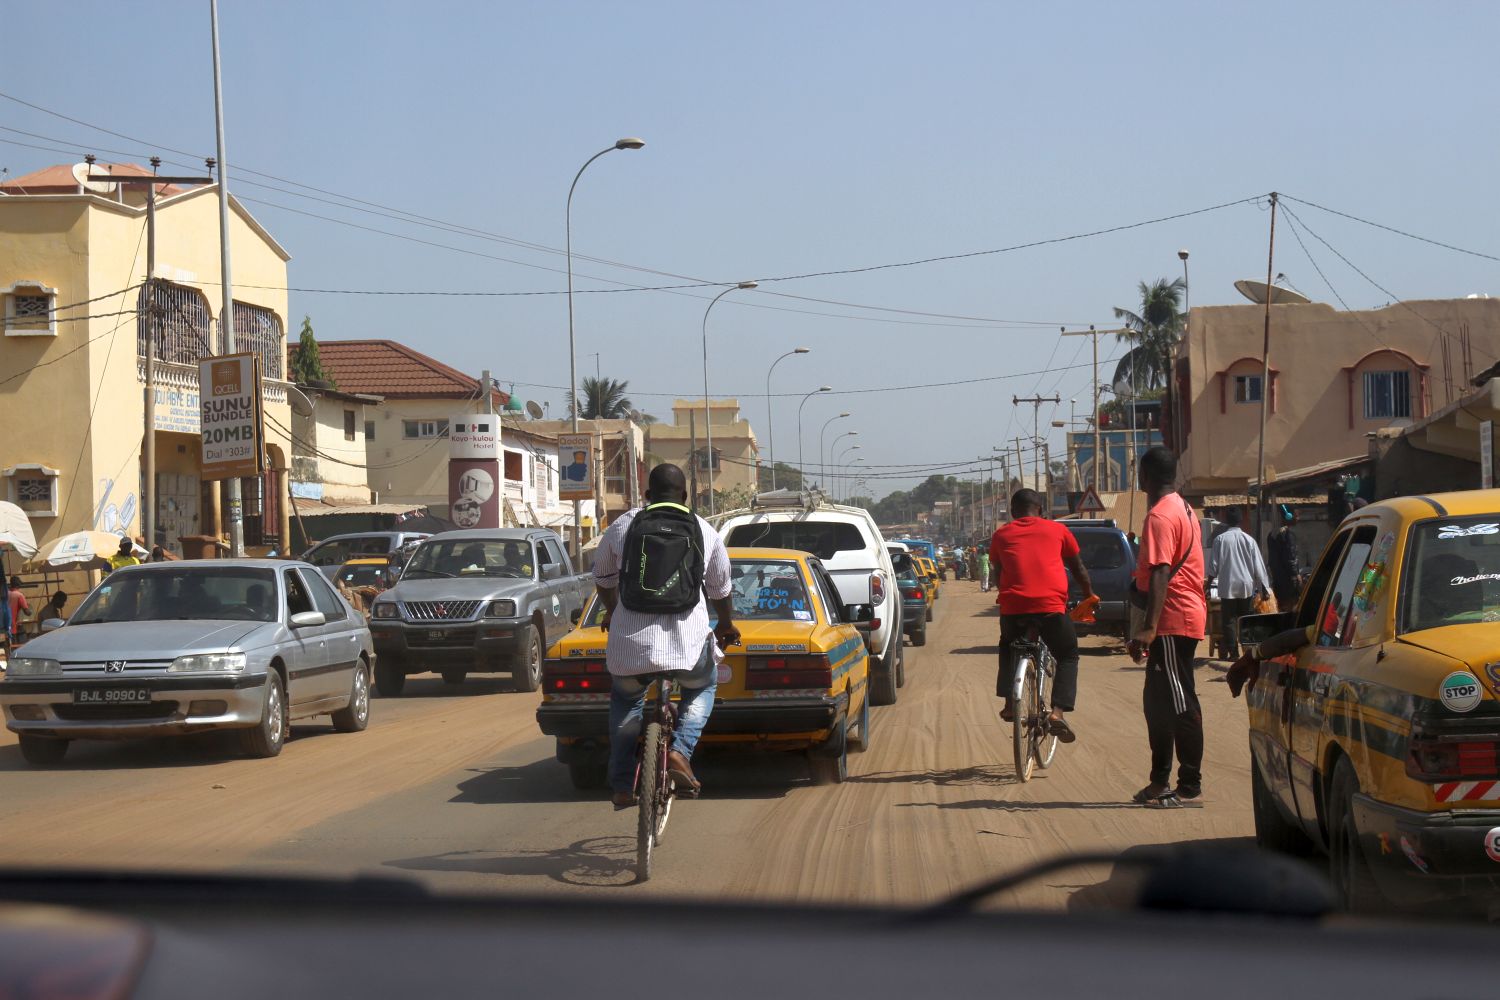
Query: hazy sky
{"points": [[785, 138]]}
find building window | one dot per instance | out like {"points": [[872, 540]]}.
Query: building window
{"points": [[33, 488], [702, 456], [369, 430], [349, 424], [258, 331], [419, 430], [1387, 395], [181, 319], [1247, 388], [30, 310]]}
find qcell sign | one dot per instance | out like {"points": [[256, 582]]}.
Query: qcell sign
{"points": [[230, 406]]}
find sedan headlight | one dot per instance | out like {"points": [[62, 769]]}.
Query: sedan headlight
{"points": [[385, 609], [500, 609], [203, 662], [31, 666]]}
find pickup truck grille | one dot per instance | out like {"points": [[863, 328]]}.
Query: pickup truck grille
{"points": [[441, 611]]}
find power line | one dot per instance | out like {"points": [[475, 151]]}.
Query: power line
{"points": [[1391, 229]]}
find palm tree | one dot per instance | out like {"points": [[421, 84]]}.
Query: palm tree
{"points": [[1153, 332], [603, 399]]}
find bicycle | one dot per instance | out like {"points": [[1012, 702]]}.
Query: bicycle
{"points": [[1032, 739], [655, 788]]}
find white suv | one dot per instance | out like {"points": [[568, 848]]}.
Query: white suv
{"points": [[851, 547]]}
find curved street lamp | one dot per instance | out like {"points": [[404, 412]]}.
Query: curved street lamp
{"points": [[833, 447], [629, 142], [770, 423], [851, 464], [823, 455], [802, 466], [708, 419], [837, 460]]}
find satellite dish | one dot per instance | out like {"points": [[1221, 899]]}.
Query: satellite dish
{"points": [[1256, 292], [533, 410], [81, 173], [636, 415]]}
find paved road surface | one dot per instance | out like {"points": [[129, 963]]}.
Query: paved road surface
{"points": [[457, 789]]}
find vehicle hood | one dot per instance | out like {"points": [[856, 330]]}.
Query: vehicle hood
{"points": [[459, 588], [1476, 645], [148, 640]]}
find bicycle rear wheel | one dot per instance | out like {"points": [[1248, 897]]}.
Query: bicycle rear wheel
{"points": [[1023, 704], [1046, 746], [648, 796]]}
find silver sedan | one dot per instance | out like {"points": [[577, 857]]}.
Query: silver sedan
{"points": [[187, 647]]}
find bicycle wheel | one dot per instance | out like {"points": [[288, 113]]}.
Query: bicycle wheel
{"points": [[666, 787], [1023, 702], [1046, 742], [648, 795]]}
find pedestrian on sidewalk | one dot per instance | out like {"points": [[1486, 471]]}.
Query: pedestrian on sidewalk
{"points": [[984, 571], [1234, 561], [1284, 560], [17, 604], [1169, 575]]}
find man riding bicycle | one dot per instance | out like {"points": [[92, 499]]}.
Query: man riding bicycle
{"points": [[643, 643], [1030, 559]]}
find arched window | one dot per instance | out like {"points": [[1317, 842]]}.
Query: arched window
{"points": [[258, 330], [1385, 386]]}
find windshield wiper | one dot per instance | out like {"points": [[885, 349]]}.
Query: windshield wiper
{"points": [[434, 572]]}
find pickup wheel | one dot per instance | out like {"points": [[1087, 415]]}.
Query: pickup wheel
{"points": [[1352, 879], [526, 675], [882, 682], [390, 677], [1272, 830], [42, 751]]}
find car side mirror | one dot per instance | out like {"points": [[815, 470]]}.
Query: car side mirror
{"points": [[575, 616], [552, 571], [861, 616], [307, 619], [53, 624], [1256, 629]]}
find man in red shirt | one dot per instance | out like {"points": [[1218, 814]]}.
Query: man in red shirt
{"points": [[1029, 559], [1169, 571]]}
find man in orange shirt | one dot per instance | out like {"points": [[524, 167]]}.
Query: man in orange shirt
{"points": [[1169, 571], [1030, 558]]}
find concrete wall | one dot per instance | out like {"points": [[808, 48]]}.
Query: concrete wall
{"points": [[410, 471]]}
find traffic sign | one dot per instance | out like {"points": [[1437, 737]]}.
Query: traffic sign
{"points": [[1090, 503]]}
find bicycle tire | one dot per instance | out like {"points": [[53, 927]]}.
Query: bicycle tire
{"points": [[1023, 703], [647, 797], [1046, 745]]}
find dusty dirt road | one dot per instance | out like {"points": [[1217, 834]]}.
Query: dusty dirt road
{"points": [[458, 790]]}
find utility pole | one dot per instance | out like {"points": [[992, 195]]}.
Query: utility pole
{"points": [[1036, 425], [1265, 380], [226, 283], [1099, 456], [693, 461], [153, 333]]}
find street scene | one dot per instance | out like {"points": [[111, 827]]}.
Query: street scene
{"points": [[895, 482]]}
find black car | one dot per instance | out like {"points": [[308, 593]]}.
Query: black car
{"points": [[1110, 561]]}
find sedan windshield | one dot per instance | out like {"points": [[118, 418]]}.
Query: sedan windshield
{"points": [[198, 592], [1452, 573], [769, 591], [471, 557]]}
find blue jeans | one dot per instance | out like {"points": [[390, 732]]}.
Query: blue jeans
{"points": [[627, 699]]}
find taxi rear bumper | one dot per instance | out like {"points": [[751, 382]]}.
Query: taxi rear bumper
{"points": [[1429, 857], [742, 717]]}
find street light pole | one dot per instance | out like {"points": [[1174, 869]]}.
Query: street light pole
{"points": [[850, 467], [1265, 380], [848, 449], [801, 465], [1187, 308], [626, 143], [770, 423], [823, 455], [708, 418], [226, 282]]}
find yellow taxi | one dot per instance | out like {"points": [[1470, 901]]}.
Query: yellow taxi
{"points": [[1375, 734], [930, 573], [799, 681]]}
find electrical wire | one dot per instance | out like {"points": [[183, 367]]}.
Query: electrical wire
{"points": [[1390, 229]]}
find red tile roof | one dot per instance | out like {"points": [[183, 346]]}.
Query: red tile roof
{"points": [[395, 371], [59, 179]]}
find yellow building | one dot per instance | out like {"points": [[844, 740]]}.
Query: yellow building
{"points": [[72, 354], [736, 452]]}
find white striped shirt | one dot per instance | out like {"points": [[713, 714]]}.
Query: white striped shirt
{"points": [[643, 643]]}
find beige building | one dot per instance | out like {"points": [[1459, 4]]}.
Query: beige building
{"points": [[619, 465], [73, 355], [1336, 379], [328, 444], [735, 450]]}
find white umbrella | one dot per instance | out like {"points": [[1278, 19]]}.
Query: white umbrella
{"points": [[83, 547], [15, 530]]}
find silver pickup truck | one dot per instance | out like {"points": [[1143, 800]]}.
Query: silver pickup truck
{"points": [[479, 601]]}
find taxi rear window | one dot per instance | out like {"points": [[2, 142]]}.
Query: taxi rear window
{"points": [[823, 539], [1452, 573], [763, 590]]}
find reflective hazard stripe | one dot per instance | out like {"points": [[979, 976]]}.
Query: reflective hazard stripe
{"points": [[1466, 791]]}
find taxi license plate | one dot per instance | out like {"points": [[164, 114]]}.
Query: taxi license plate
{"points": [[112, 696]]}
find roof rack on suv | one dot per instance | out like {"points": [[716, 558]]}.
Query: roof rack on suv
{"points": [[808, 500]]}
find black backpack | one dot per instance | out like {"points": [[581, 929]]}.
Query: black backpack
{"points": [[662, 569]]}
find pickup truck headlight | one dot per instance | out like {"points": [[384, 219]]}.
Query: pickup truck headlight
{"points": [[203, 662], [385, 609], [31, 666], [500, 609]]}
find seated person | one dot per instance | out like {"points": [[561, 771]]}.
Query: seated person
{"points": [[470, 561], [516, 558], [258, 600]]}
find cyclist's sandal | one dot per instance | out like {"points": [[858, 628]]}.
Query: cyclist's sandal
{"points": [[1163, 799], [1061, 729]]}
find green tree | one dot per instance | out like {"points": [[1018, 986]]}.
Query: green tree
{"points": [[603, 399], [1153, 333], [307, 366]]}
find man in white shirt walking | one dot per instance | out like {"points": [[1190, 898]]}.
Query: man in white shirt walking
{"points": [[1234, 560], [642, 643]]}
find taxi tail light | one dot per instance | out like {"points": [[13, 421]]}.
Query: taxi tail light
{"points": [[575, 677], [1431, 757], [770, 673]]}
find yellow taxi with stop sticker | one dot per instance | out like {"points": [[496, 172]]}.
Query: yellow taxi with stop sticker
{"points": [[1375, 733], [798, 682]]}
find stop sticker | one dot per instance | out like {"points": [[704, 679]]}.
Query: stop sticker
{"points": [[1492, 844]]}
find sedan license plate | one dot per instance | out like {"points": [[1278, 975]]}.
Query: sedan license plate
{"points": [[112, 695]]}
